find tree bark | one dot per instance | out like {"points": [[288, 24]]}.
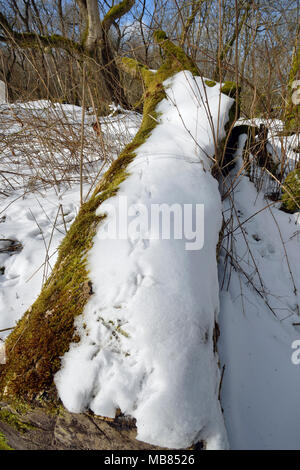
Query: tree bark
{"points": [[61, 430], [291, 115]]}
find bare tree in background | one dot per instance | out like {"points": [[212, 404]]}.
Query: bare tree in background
{"points": [[44, 44], [26, 29]]}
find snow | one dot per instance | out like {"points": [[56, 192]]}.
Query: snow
{"points": [[281, 147], [260, 389], [38, 224], [33, 214], [146, 334]]}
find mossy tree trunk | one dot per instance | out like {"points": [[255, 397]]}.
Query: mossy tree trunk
{"points": [[291, 118], [292, 108], [45, 331], [94, 46]]}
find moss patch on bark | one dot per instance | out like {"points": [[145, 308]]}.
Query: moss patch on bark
{"points": [[291, 191], [292, 110], [3, 443]]}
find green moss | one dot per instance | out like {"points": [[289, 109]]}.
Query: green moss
{"points": [[230, 89], [119, 10], [12, 420], [57, 39], [46, 330], [133, 67], [176, 59], [159, 36], [291, 191], [292, 111], [210, 83], [116, 12], [31, 40], [292, 120], [3, 443]]}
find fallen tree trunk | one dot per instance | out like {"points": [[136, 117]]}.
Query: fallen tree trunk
{"points": [[45, 333]]}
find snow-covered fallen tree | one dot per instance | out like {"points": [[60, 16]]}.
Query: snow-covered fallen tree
{"points": [[128, 325]]}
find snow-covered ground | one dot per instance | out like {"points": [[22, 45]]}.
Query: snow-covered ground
{"points": [[40, 192], [38, 222], [260, 389], [40, 144], [144, 348]]}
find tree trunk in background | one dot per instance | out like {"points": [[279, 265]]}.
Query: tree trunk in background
{"points": [[94, 48], [291, 116]]}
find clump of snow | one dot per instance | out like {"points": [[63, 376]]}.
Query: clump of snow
{"points": [[146, 334]]}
